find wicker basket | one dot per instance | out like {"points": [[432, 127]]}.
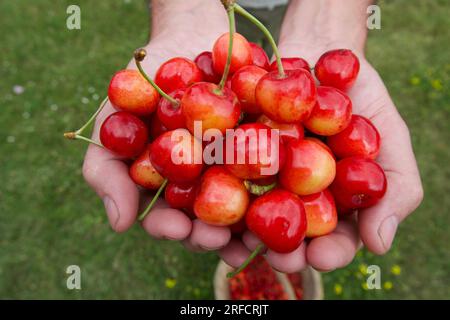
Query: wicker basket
{"points": [[311, 280]]}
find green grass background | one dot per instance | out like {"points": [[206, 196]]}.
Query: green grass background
{"points": [[50, 219]]}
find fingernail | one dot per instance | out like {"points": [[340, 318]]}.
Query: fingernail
{"points": [[387, 231], [111, 211]]}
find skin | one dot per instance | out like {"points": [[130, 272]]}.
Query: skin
{"points": [[310, 28]]}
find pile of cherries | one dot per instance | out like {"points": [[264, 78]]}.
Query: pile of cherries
{"points": [[325, 157]]}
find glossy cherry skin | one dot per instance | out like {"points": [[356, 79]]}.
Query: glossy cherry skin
{"points": [[309, 168], [360, 183], [278, 219], [177, 73], [360, 138], [241, 54], [180, 195], [155, 127], [177, 156], [337, 68], [255, 155], [124, 134], [260, 58], [287, 131], [169, 114], [143, 173], [222, 199], [290, 64], [332, 112], [129, 91], [321, 214], [219, 110], [205, 64], [243, 84], [289, 99], [323, 144]]}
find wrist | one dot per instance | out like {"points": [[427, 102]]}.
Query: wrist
{"points": [[315, 26]]}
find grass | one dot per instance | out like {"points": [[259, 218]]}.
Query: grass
{"points": [[50, 218]]}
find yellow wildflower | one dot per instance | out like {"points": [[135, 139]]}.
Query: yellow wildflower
{"points": [[436, 84], [337, 289], [415, 81], [363, 268], [170, 283], [396, 270], [365, 286], [387, 285]]}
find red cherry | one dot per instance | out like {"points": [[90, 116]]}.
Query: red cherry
{"points": [[360, 183], [177, 73], [129, 91], [143, 173], [278, 218], [177, 156], [241, 54], [332, 112], [259, 56], [323, 144], [124, 134], [288, 131], [287, 99], [309, 168], [243, 84], [290, 64], [205, 64], [180, 195], [321, 213], [238, 227], [156, 128], [337, 68], [222, 199], [214, 108], [253, 157], [360, 138], [170, 114]]}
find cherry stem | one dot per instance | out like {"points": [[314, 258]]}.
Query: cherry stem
{"points": [[266, 32], [138, 60], [77, 135], [232, 26], [247, 261], [258, 190], [151, 204]]}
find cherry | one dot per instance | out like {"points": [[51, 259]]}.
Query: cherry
{"points": [[128, 91], [241, 53], [156, 128], [291, 64], [215, 107], [222, 199], [360, 183], [239, 227], [177, 156], [287, 131], [143, 173], [124, 134], [309, 168], [332, 112], [169, 113], [337, 68], [180, 195], [278, 219], [259, 56], [360, 138], [177, 73], [205, 64], [321, 213], [254, 154], [323, 144], [289, 98], [243, 84]]}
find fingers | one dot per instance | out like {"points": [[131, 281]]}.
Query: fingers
{"points": [[207, 237], [335, 250], [234, 253], [167, 223]]}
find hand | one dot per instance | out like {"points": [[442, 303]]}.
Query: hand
{"points": [[177, 31]]}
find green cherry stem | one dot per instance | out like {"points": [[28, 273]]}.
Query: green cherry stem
{"points": [[232, 26], [258, 190], [266, 32], [77, 135], [247, 261], [139, 56], [152, 203]]}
